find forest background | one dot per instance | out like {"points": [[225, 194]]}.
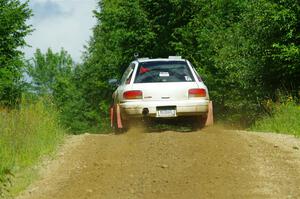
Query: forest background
{"points": [[246, 51]]}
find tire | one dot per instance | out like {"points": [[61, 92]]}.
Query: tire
{"points": [[200, 121]]}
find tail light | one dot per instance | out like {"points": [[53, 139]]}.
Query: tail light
{"points": [[197, 92], [129, 95]]}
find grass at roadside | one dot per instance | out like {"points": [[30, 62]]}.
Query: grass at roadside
{"points": [[284, 118], [25, 136]]}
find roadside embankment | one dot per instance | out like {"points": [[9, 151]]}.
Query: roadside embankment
{"points": [[283, 118], [26, 135]]}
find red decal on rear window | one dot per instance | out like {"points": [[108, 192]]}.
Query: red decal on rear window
{"points": [[144, 70]]}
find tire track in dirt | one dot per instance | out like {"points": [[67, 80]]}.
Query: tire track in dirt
{"points": [[207, 164]]}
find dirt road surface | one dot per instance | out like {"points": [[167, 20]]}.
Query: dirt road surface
{"points": [[211, 163]]}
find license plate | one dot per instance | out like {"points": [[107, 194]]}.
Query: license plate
{"points": [[166, 113]]}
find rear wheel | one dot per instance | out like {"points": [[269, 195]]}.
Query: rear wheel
{"points": [[200, 121]]}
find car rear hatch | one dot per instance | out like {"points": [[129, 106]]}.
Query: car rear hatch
{"points": [[165, 91]]}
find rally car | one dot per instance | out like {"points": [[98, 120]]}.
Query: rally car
{"points": [[160, 88]]}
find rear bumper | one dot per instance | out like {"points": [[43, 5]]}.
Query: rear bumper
{"points": [[183, 108]]}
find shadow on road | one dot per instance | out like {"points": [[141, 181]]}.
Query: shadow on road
{"points": [[182, 125]]}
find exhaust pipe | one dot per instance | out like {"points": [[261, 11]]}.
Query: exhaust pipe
{"points": [[145, 112]]}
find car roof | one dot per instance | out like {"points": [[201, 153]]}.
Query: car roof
{"points": [[171, 58]]}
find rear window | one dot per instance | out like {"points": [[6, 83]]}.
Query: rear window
{"points": [[163, 71]]}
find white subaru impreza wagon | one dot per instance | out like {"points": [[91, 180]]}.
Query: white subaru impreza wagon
{"points": [[159, 88]]}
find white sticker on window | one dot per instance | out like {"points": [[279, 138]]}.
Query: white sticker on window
{"points": [[164, 74], [188, 78]]}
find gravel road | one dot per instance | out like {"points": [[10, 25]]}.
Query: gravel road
{"points": [[211, 163]]}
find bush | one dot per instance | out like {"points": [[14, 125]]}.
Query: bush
{"points": [[283, 118], [27, 134]]}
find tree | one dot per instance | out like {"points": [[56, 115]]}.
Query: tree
{"points": [[274, 27], [122, 30], [244, 50], [46, 69], [53, 76], [13, 29]]}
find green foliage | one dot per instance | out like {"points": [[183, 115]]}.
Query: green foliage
{"points": [[55, 75], [273, 27], [123, 30], [244, 50], [13, 29], [213, 40], [26, 135], [284, 118], [46, 70], [68, 99]]}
